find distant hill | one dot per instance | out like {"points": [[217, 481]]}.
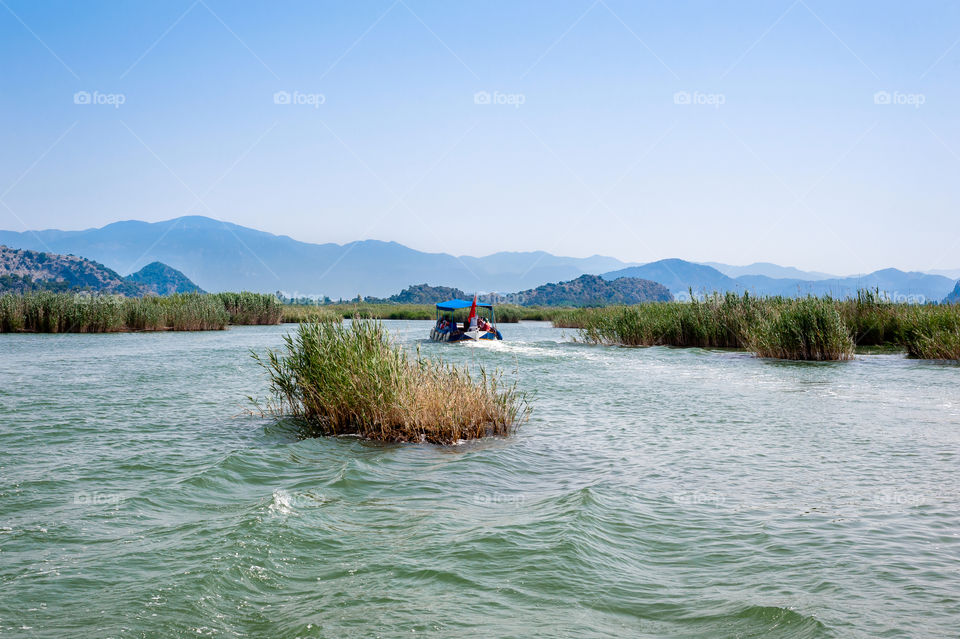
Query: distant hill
{"points": [[421, 294], [680, 276], [161, 279], [952, 273], [768, 269], [592, 290], [23, 271], [220, 256], [954, 297]]}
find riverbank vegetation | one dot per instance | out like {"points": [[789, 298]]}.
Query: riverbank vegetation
{"points": [[505, 313], [364, 310], [251, 308], [818, 329], [48, 312], [339, 379]]}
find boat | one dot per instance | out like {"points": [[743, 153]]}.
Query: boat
{"points": [[446, 329]]}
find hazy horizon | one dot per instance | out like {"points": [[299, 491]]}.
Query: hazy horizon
{"points": [[797, 133]]}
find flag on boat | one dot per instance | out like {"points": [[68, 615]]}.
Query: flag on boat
{"points": [[472, 318]]}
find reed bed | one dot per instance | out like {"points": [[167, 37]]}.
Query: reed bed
{"points": [[339, 380], [505, 314], [934, 333], [714, 322], [252, 308], [47, 312], [818, 329], [809, 329]]}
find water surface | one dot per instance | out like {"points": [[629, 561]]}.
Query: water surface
{"points": [[654, 492]]}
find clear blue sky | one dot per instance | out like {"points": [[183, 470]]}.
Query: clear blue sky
{"points": [[798, 164]]}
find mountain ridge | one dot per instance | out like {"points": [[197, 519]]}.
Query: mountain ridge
{"points": [[219, 255], [681, 276]]}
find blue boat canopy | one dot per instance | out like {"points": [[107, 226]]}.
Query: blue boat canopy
{"points": [[452, 305]]}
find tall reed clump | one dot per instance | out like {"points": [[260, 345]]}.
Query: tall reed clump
{"points": [[934, 333], [341, 379], [252, 308], [192, 312], [874, 320], [47, 312], [809, 329], [806, 329], [718, 321]]}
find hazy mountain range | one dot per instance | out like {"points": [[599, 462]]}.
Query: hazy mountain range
{"points": [[221, 256], [681, 276]]}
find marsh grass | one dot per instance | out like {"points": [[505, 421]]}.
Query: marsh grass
{"points": [[252, 308], [719, 321], [338, 379], [808, 329], [47, 312], [785, 328], [934, 333], [505, 314]]}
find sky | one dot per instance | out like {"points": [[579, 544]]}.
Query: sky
{"points": [[810, 133]]}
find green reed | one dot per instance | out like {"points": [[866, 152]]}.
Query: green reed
{"points": [[297, 313], [809, 329], [337, 379], [252, 308], [934, 333], [786, 328], [47, 312]]}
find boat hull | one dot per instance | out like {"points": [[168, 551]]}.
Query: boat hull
{"points": [[460, 336]]}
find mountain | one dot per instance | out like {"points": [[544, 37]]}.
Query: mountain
{"points": [[768, 269], [952, 273], [592, 290], [222, 256], [680, 276], [954, 297], [24, 270], [160, 279]]}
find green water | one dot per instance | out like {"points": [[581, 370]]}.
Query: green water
{"points": [[654, 493]]}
